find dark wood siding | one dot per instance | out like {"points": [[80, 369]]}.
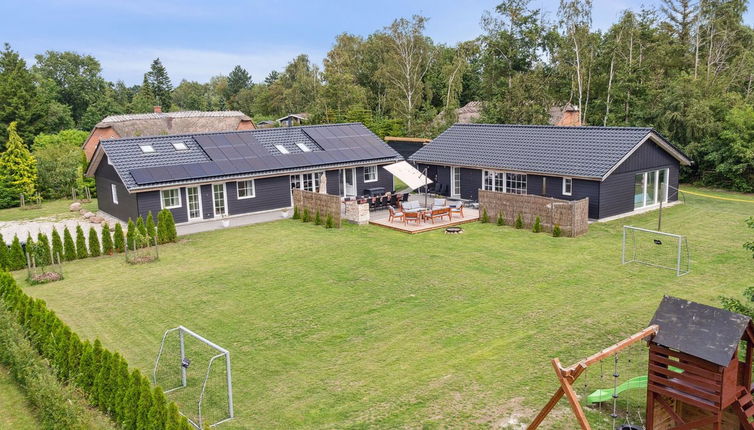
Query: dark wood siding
{"points": [[269, 193], [334, 182], [384, 179], [106, 176], [471, 182], [150, 201], [582, 188], [440, 175]]}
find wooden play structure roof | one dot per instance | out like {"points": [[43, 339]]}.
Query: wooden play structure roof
{"points": [[699, 330]]}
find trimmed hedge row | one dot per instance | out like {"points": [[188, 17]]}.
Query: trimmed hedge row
{"points": [[103, 376]]}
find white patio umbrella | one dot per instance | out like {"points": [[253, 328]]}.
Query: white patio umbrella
{"points": [[323, 184]]}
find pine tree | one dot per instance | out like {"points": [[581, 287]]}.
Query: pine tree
{"points": [[131, 234], [500, 218], [118, 240], [238, 79], [107, 240], [3, 254], [94, 247], [329, 222], [150, 228], [159, 84], [43, 254], [18, 168], [158, 413], [57, 246], [16, 257], [69, 249], [81, 251], [485, 217], [317, 219], [537, 228], [556, 231], [519, 222], [306, 217]]}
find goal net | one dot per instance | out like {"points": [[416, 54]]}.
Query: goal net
{"points": [[195, 373], [656, 248]]}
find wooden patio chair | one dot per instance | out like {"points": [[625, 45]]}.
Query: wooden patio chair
{"points": [[456, 208], [412, 216], [438, 213], [394, 215]]}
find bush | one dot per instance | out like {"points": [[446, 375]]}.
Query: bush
{"points": [[329, 222], [16, 257], [94, 247], [172, 233], [69, 249], [131, 234], [306, 217], [3, 254], [118, 240], [485, 218], [81, 251], [519, 222], [537, 228], [500, 219], [296, 213], [140, 226], [150, 227], [57, 246], [42, 252], [556, 232], [317, 219], [107, 240]]}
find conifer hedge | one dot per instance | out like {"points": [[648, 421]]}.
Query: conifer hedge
{"points": [[94, 246], [118, 239], [81, 251], [107, 240], [102, 375], [57, 246], [42, 251], [16, 259], [69, 249], [3, 253]]}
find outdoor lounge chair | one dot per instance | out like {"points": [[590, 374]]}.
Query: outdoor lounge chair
{"points": [[438, 213], [412, 216], [412, 206], [456, 208], [439, 204], [394, 215]]}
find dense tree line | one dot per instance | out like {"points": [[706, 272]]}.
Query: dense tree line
{"points": [[685, 68]]}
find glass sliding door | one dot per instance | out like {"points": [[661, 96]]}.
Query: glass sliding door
{"points": [[193, 203], [455, 180], [218, 200], [639, 190], [651, 188], [663, 185]]}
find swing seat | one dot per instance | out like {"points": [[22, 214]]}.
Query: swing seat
{"points": [[629, 427]]}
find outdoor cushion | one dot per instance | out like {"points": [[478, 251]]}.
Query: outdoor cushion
{"points": [[411, 205], [438, 203]]}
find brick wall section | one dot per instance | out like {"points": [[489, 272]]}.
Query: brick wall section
{"points": [[97, 134], [571, 215], [326, 204]]}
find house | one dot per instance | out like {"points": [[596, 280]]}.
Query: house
{"points": [[293, 119], [568, 115], [406, 146], [469, 113], [266, 124], [204, 176], [620, 169], [164, 123]]}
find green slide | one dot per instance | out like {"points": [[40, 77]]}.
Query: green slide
{"points": [[606, 394]]}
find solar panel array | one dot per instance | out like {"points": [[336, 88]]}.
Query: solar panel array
{"points": [[247, 152]]}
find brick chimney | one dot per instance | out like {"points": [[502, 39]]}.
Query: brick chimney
{"points": [[158, 109], [570, 116]]}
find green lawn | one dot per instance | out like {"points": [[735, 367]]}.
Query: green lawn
{"points": [[368, 327], [57, 209], [16, 411]]}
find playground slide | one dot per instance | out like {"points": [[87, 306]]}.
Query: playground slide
{"points": [[606, 394]]}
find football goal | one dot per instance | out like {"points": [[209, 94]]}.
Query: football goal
{"points": [[656, 248], [195, 373]]}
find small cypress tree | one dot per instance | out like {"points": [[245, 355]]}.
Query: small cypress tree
{"points": [[146, 400], [174, 418], [3, 254], [537, 228], [485, 218], [161, 228], [120, 391], [81, 251], [296, 213], [118, 240], [101, 387], [43, 253], [131, 234], [306, 217], [74, 356], [158, 413], [519, 222], [329, 222], [130, 404], [317, 219], [500, 219], [151, 229], [94, 246], [86, 364], [172, 233], [141, 226], [16, 258], [69, 249], [57, 246], [107, 240], [556, 232], [29, 247]]}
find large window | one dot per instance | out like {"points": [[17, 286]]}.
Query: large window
{"points": [[171, 198], [245, 189], [306, 181], [650, 188], [514, 183], [114, 191], [370, 173]]}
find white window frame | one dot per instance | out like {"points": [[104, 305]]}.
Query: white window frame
{"points": [[114, 192], [455, 176], [188, 206], [567, 184], [657, 191], [238, 190], [499, 181], [376, 174], [162, 198], [225, 201]]}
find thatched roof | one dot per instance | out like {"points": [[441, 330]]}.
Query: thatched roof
{"points": [[165, 123], [468, 114]]}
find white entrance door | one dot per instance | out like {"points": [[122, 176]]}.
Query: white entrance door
{"points": [[219, 202], [349, 182], [455, 182], [193, 203]]}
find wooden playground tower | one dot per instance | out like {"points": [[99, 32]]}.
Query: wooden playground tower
{"points": [[696, 378]]}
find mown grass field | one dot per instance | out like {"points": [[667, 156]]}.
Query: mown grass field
{"points": [[55, 209], [369, 327], [17, 413]]}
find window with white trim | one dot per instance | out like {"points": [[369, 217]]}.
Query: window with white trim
{"points": [[515, 183], [245, 189], [171, 198], [114, 191], [306, 181], [370, 173], [567, 186]]}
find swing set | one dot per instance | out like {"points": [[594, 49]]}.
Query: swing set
{"points": [[567, 377]]}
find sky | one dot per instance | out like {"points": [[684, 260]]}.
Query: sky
{"points": [[198, 39]]}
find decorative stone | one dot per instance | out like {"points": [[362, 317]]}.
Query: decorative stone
{"points": [[82, 211], [75, 206], [357, 213], [96, 219], [88, 215]]}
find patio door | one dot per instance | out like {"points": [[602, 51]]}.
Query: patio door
{"points": [[219, 202], [455, 182], [349, 182], [193, 203]]}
